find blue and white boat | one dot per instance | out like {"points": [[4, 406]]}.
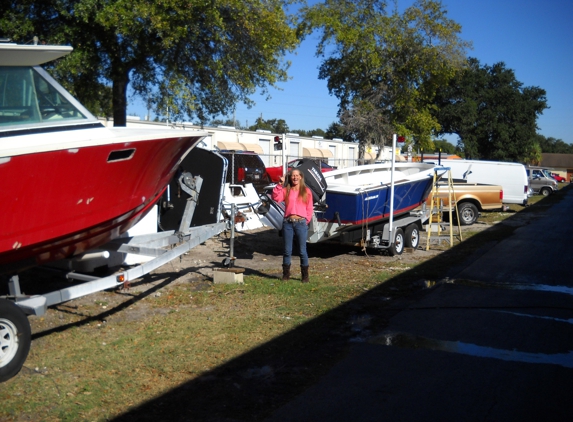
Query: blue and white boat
{"points": [[362, 195], [377, 205]]}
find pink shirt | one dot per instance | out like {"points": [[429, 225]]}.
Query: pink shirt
{"points": [[295, 204]]}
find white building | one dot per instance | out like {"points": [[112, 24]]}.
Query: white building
{"points": [[335, 152]]}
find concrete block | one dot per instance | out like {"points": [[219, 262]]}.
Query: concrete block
{"points": [[228, 275]]}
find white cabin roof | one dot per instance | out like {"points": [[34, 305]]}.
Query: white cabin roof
{"points": [[30, 55]]}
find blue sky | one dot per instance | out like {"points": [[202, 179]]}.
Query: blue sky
{"points": [[532, 37]]}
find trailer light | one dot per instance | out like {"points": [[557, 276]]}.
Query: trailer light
{"points": [[120, 278]]}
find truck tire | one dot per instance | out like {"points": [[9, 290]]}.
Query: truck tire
{"points": [[412, 236], [545, 191], [397, 247], [468, 213], [15, 339]]}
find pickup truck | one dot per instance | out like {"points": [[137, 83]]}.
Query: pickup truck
{"points": [[472, 198]]}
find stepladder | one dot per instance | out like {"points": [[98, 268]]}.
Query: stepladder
{"points": [[437, 227]]}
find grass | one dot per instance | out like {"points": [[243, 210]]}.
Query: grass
{"points": [[253, 345], [97, 370]]}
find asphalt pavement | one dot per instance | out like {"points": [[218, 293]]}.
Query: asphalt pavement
{"points": [[493, 343]]}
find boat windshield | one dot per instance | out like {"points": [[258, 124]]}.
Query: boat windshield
{"points": [[27, 98]]}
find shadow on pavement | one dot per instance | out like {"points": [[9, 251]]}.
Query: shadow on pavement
{"points": [[253, 386]]}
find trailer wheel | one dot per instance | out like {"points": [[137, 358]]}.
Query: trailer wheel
{"points": [[398, 246], [468, 214], [15, 339], [545, 191], [412, 236]]}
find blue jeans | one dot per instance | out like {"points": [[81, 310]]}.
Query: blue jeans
{"points": [[299, 232]]}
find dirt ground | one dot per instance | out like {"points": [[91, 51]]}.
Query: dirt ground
{"points": [[258, 251]]}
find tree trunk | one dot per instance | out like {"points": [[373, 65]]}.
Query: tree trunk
{"points": [[120, 82]]}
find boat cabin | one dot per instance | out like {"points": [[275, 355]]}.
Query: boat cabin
{"points": [[29, 96]]}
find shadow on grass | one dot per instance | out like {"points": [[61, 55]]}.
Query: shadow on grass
{"points": [[252, 386], [134, 298]]}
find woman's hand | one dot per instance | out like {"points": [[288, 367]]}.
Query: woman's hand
{"points": [[282, 180]]}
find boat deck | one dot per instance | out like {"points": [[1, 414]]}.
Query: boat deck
{"points": [[363, 178]]}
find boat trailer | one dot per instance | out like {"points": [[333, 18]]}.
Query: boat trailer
{"points": [[163, 247], [147, 245], [393, 235]]}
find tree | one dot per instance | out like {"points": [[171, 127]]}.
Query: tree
{"points": [[532, 155], [224, 122], [274, 125], [195, 57], [311, 132], [445, 146], [552, 145], [365, 121], [493, 114], [317, 132], [337, 130], [399, 59]]}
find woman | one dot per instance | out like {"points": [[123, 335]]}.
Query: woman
{"points": [[298, 213]]}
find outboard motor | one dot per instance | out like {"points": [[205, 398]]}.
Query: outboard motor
{"points": [[314, 179]]}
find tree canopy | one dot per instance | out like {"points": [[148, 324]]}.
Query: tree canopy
{"points": [[552, 145], [493, 114], [198, 58], [274, 125], [310, 132], [445, 147], [338, 130], [387, 63]]}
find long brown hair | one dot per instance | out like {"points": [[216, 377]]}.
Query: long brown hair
{"points": [[302, 192]]}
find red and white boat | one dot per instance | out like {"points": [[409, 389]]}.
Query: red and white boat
{"points": [[68, 183]]}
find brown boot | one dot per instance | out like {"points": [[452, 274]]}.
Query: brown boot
{"points": [[286, 272], [304, 271]]}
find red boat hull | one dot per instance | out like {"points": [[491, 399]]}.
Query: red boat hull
{"points": [[57, 204]]}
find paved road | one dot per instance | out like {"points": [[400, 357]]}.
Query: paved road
{"points": [[495, 344]]}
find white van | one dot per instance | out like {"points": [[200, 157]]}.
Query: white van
{"points": [[541, 181], [511, 176]]}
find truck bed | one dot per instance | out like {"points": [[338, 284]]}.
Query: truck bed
{"points": [[472, 198]]}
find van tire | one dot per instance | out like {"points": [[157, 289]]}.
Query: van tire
{"points": [[468, 213], [545, 191]]}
